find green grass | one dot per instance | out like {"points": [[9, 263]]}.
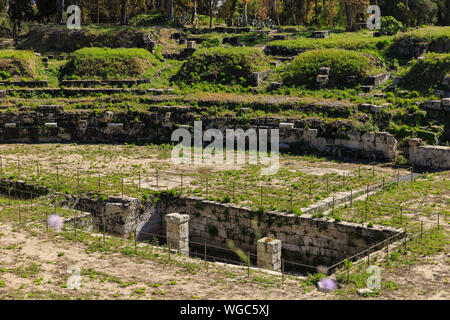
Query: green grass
{"points": [[342, 63], [356, 41], [106, 63], [438, 39], [17, 54], [18, 64], [428, 73], [223, 65], [403, 204]]}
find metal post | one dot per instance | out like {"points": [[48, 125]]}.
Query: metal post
{"points": [[438, 220], [310, 189], [104, 226], [248, 263], [348, 271], [292, 207], [99, 185], [387, 253], [327, 185], [19, 215], [57, 174], [351, 197], [157, 179], [46, 222], [206, 263], [168, 244], [261, 195], [333, 207], [139, 184], [135, 241], [401, 216], [398, 177], [181, 182], [233, 191], [421, 230], [282, 270], [365, 215], [75, 227], [122, 186]]}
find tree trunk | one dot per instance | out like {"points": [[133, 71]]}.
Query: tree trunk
{"points": [[211, 14], [59, 10], [123, 13], [171, 17], [349, 13], [245, 15], [98, 11], [275, 9], [194, 13]]}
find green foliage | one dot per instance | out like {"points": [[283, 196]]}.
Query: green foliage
{"points": [[336, 41], [212, 42], [146, 20], [342, 63], [17, 63], [17, 54], [213, 231], [390, 25], [403, 45], [105, 63], [427, 73], [4, 75], [224, 65]]}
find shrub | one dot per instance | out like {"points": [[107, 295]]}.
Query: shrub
{"points": [[404, 44], [336, 41], [105, 63], [146, 20], [342, 63], [17, 64], [212, 42], [223, 65], [390, 25], [427, 73], [4, 75]]}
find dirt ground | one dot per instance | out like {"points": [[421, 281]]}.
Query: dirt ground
{"points": [[35, 267]]}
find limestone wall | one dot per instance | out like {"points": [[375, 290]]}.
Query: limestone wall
{"points": [[157, 126], [304, 239], [435, 157], [381, 146]]}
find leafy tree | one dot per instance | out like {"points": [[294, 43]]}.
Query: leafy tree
{"points": [[18, 12], [390, 25]]}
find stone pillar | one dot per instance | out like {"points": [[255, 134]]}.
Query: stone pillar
{"points": [[269, 253], [178, 232], [191, 44]]}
